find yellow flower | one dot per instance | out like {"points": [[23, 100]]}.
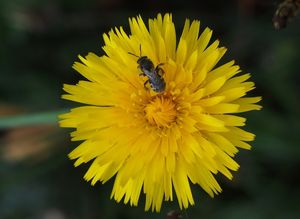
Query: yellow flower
{"points": [[159, 142]]}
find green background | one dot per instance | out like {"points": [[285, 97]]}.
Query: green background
{"points": [[40, 40]]}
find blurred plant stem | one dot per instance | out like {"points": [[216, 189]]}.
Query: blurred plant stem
{"points": [[42, 118]]}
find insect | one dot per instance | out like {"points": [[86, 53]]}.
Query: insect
{"points": [[285, 12], [154, 74]]}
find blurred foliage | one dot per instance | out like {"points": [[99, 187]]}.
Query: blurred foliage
{"points": [[41, 39]]}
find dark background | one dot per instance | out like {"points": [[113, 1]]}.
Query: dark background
{"points": [[39, 41]]}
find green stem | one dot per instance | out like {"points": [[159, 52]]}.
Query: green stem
{"points": [[43, 118]]}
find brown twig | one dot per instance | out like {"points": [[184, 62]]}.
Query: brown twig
{"points": [[285, 12], [174, 215]]}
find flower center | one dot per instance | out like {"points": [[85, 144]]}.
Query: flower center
{"points": [[161, 112]]}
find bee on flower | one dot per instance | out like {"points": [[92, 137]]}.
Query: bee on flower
{"points": [[158, 141], [154, 75]]}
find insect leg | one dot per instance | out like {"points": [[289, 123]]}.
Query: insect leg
{"points": [[159, 71], [159, 65], [145, 85]]}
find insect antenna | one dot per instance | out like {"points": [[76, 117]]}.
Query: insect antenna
{"points": [[140, 50], [133, 54]]}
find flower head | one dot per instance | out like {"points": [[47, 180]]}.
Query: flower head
{"points": [[159, 142]]}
